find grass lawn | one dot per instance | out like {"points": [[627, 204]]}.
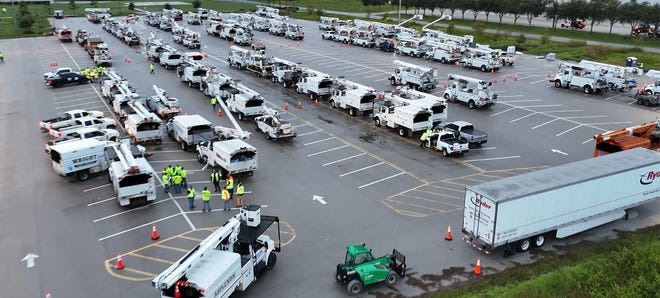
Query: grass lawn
{"points": [[339, 5], [625, 267]]}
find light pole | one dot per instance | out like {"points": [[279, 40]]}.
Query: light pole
{"points": [[398, 11]]}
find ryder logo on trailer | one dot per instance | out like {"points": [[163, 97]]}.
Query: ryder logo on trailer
{"points": [[478, 202], [649, 177]]}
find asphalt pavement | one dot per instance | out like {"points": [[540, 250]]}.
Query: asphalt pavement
{"points": [[378, 188]]}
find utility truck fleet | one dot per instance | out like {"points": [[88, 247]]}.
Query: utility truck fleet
{"points": [[415, 76], [476, 93]]}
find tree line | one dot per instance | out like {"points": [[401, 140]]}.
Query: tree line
{"points": [[593, 12]]}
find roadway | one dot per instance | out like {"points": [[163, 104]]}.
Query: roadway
{"points": [[377, 187]]}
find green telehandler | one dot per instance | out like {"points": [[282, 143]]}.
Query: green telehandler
{"points": [[361, 269]]}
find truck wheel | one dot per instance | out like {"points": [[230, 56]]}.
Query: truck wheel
{"points": [[333, 104], [377, 122], [312, 96], [285, 85], [557, 84], [483, 68], [447, 97], [184, 146], [393, 81], [523, 245], [190, 84], [241, 116], [471, 104], [587, 89], [403, 131], [391, 279], [539, 240], [427, 57], [256, 127], [272, 260], [352, 112], [640, 101], [354, 287], [445, 153], [82, 175]]}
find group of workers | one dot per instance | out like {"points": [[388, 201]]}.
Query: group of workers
{"points": [[93, 73], [175, 177]]}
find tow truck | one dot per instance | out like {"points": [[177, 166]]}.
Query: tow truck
{"points": [[476, 93], [645, 135], [164, 106], [227, 261], [132, 178], [353, 97], [418, 77]]}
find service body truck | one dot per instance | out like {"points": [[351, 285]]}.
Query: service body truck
{"points": [[315, 84], [143, 126], [80, 158], [476, 93], [522, 211], [132, 178], [214, 82], [352, 97], [443, 52], [190, 130], [482, 59], [412, 47], [437, 106], [286, 72], [191, 72], [102, 56], [273, 126], [67, 118], [227, 261], [243, 101], [85, 133], [164, 106], [418, 77], [407, 119], [580, 77], [294, 32], [615, 76], [232, 156]]}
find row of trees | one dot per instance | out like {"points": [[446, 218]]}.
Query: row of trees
{"points": [[595, 11]]}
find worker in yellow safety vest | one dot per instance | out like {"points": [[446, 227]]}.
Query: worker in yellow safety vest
{"points": [[206, 198], [240, 190], [191, 198], [226, 198]]}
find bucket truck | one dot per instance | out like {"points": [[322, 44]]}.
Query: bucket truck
{"points": [[418, 77], [132, 178], [615, 76], [191, 72], [407, 119], [482, 59], [315, 84], [353, 97], [243, 101], [476, 93], [163, 105], [214, 82], [587, 78], [286, 72], [273, 126], [227, 261], [435, 105], [143, 126]]}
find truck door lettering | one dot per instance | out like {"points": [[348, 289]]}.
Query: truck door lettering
{"points": [[476, 201]]}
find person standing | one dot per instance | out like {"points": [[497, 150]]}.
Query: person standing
{"points": [[151, 68], [184, 175], [170, 170], [166, 182], [206, 199], [240, 190], [176, 180], [191, 198], [214, 101], [229, 185], [2, 57], [226, 198], [215, 179], [424, 137]]}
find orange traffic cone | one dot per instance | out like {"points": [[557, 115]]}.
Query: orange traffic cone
{"points": [[289, 44], [492, 72], [549, 74], [297, 43], [299, 105], [219, 112], [120, 262], [457, 64], [48, 294], [448, 234], [316, 102], [444, 85], [286, 106], [177, 293], [477, 268], [495, 80], [504, 79], [515, 77], [154, 233]]}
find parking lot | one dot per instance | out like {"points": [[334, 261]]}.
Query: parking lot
{"points": [[374, 186]]}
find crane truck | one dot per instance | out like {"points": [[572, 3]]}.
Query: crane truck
{"points": [[132, 178], [587, 78], [521, 212], [476, 93], [227, 261], [353, 97], [416, 76], [645, 135]]}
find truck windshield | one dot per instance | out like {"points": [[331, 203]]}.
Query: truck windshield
{"points": [[135, 180], [243, 156]]}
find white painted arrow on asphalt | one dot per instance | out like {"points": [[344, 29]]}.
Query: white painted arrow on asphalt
{"points": [[558, 151], [29, 259], [320, 199]]}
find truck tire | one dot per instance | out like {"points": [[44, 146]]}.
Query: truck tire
{"points": [[82, 175], [184, 146], [427, 56], [447, 97], [557, 84], [354, 287], [523, 245], [443, 60], [377, 122], [241, 116], [391, 278], [352, 112], [444, 152], [483, 68], [312, 96], [471, 104], [403, 131], [392, 81], [333, 104], [272, 260], [538, 240], [587, 89], [190, 84], [256, 127], [285, 85]]}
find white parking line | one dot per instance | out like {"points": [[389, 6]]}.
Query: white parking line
{"points": [[301, 125], [500, 112], [319, 141], [523, 117], [380, 180], [101, 201], [539, 106], [95, 188], [362, 169], [70, 91], [534, 82], [376, 75], [493, 158], [173, 161], [583, 117], [563, 111], [129, 211], [519, 95], [568, 130], [139, 227], [607, 123], [75, 105], [485, 148], [383, 79], [612, 97], [73, 100], [587, 141], [309, 133], [326, 151], [343, 159], [167, 151], [547, 122], [74, 95]]}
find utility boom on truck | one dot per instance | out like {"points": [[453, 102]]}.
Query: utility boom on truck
{"points": [[227, 261], [415, 76], [132, 178], [437, 106], [163, 105], [521, 211], [476, 93], [586, 78], [646, 135], [143, 126], [356, 98]]}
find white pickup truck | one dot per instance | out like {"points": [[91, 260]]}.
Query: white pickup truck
{"points": [[85, 133], [67, 118], [274, 127], [102, 123], [447, 142]]}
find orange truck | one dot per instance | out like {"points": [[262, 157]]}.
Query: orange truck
{"points": [[645, 135]]}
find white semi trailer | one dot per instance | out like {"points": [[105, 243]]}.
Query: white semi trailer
{"points": [[522, 211]]}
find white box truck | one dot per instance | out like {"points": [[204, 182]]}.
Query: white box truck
{"points": [[521, 211], [232, 156]]}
